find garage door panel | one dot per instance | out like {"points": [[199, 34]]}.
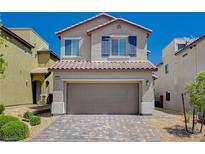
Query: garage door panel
{"points": [[102, 98]]}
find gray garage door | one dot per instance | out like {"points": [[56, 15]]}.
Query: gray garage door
{"points": [[102, 98]]}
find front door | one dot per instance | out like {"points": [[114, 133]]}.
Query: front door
{"points": [[36, 91], [161, 101]]}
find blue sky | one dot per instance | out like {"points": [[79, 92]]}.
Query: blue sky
{"points": [[165, 26]]}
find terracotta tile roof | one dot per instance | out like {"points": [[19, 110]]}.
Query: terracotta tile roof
{"points": [[108, 65], [122, 20]]}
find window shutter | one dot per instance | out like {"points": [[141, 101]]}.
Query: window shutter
{"points": [[132, 43], [105, 46]]}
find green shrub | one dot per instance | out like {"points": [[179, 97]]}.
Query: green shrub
{"points": [[4, 119], [35, 120], [28, 115], [2, 108], [14, 131]]}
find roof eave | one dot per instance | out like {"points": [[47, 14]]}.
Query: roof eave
{"points": [[191, 45], [58, 33], [16, 37], [147, 30], [140, 69], [51, 52]]}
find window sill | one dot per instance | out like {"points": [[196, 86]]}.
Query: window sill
{"points": [[119, 57], [71, 56]]}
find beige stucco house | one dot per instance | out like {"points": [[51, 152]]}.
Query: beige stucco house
{"points": [[182, 59], [26, 79], [103, 68]]}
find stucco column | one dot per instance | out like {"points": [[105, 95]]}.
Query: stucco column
{"points": [[58, 105], [147, 103]]}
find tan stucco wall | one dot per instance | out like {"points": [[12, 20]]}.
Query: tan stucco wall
{"points": [[33, 38], [146, 92], [182, 70], [85, 42], [112, 29], [90, 46], [16, 87]]}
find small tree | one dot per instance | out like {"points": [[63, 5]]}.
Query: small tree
{"points": [[196, 92]]}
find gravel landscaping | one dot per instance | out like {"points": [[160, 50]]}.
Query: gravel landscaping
{"points": [[171, 128]]}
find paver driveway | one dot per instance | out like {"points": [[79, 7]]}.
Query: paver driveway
{"points": [[98, 128]]}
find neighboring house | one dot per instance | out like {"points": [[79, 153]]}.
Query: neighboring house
{"points": [[103, 68], [182, 59], [26, 78]]}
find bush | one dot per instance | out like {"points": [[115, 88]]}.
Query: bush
{"points": [[4, 119], [14, 131], [35, 120], [2, 108], [28, 115]]}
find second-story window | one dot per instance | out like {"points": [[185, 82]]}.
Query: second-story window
{"points": [[180, 46], [72, 47], [166, 69], [119, 47]]}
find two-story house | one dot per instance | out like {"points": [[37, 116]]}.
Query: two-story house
{"points": [[182, 59], [26, 79], [103, 68]]}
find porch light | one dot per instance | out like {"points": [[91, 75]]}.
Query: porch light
{"points": [[147, 83]]}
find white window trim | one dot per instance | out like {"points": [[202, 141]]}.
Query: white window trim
{"points": [[119, 36], [112, 37], [71, 38]]}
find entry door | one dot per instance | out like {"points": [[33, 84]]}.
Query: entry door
{"points": [[38, 91], [102, 98]]}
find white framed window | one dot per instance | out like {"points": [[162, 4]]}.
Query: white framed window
{"points": [[118, 46], [72, 47]]}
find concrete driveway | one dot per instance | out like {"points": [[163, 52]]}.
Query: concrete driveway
{"points": [[94, 128]]}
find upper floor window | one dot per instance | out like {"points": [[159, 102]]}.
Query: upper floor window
{"points": [[167, 96], [180, 46], [119, 46], [72, 47], [166, 69]]}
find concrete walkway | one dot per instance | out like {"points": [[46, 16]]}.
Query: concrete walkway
{"points": [[96, 128]]}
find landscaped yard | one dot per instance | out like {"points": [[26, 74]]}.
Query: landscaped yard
{"points": [[170, 126], [36, 126], [46, 120]]}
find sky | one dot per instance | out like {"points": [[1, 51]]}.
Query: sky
{"points": [[165, 26]]}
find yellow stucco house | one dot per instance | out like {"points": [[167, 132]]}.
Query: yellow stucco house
{"points": [[27, 79]]}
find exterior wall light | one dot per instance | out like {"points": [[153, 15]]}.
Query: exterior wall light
{"points": [[147, 83]]}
